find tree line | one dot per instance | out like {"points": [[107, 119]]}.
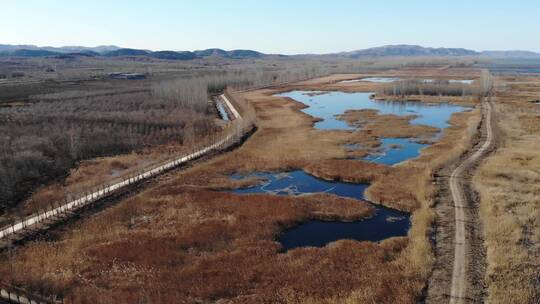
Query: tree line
{"points": [[407, 87], [41, 142]]}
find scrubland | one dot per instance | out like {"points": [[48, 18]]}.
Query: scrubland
{"points": [[508, 183], [186, 239]]}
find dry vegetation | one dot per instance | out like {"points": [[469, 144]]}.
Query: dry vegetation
{"points": [[389, 125], [214, 245], [41, 142], [49, 135], [508, 183], [413, 87]]}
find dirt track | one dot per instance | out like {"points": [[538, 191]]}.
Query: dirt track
{"points": [[459, 269]]}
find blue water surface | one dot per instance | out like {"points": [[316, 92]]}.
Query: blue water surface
{"points": [[406, 149], [330, 104], [383, 224], [222, 112]]}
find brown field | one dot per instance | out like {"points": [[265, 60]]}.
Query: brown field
{"points": [[185, 241], [510, 195]]}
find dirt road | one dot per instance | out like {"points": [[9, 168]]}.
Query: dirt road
{"points": [[460, 255], [459, 273]]}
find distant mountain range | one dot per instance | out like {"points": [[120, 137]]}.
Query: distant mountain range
{"points": [[64, 49], [115, 51], [407, 50], [404, 50], [511, 54]]}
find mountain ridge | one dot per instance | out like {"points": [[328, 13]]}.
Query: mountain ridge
{"points": [[398, 50]]}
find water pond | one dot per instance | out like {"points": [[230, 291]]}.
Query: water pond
{"points": [[395, 150], [394, 79], [383, 224], [373, 79], [327, 105], [222, 112]]}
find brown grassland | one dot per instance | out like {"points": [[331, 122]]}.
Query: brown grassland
{"points": [[185, 240], [509, 185]]}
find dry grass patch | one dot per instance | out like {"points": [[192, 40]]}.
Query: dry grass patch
{"points": [[388, 125], [508, 183]]}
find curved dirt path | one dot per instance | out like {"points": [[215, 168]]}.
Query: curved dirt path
{"points": [[459, 283]]}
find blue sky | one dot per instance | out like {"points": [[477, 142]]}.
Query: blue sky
{"points": [[273, 26]]}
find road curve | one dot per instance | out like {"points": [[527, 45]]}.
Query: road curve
{"points": [[458, 293]]}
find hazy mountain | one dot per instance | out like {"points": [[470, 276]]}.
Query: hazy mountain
{"points": [[211, 53], [237, 54], [407, 50], [126, 52], [172, 55], [10, 48], [32, 53], [114, 51], [510, 54], [64, 49], [77, 54], [244, 54]]}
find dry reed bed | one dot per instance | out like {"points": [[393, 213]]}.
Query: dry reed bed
{"points": [[90, 174], [217, 245], [508, 183], [389, 125]]}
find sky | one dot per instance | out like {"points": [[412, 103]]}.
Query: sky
{"points": [[273, 26]]}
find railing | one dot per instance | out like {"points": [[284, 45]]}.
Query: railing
{"points": [[39, 220], [229, 137], [235, 131], [23, 297]]}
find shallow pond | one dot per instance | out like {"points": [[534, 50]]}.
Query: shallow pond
{"points": [[395, 150], [373, 79], [328, 105], [394, 79], [464, 81], [300, 183], [383, 224]]}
